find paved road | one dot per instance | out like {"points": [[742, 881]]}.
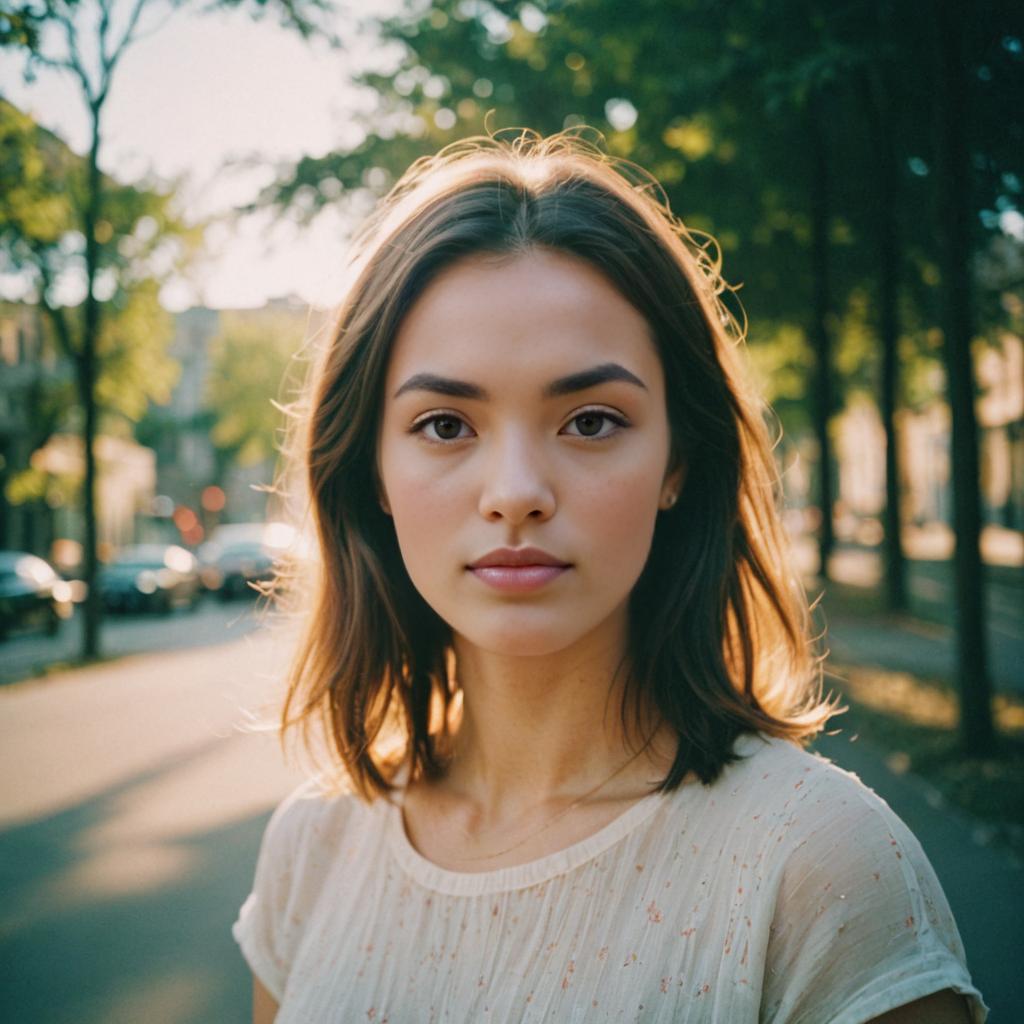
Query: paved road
{"points": [[132, 804], [29, 654], [922, 642], [906, 644]]}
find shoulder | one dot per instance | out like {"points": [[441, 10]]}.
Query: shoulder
{"points": [[860, 923], [313, 817], [807, 790], [810, 818]]}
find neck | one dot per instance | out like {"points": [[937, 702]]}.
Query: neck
{"points": [[547, 729]]}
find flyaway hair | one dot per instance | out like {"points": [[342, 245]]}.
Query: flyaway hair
{"points": [[719, 639]]}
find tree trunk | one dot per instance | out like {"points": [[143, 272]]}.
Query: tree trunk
{"points": [[820, 340], [887, 236], [91, 620], [955, 224]]}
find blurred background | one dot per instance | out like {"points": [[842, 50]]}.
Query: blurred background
{"points": [[178, 182]]}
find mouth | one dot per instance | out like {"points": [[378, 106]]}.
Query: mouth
{"points": [[518, 578], [518, 558], [502, 567]]}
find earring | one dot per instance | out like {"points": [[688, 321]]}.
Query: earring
{"points": [[670, 500]]}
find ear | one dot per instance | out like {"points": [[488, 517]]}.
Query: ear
{"points": [[672, 485], [382, 498]]}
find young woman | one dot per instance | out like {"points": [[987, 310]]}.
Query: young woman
{"points": [[558, 653]]}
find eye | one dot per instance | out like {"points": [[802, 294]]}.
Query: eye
{"points": [[446, 428], [589, 423]]}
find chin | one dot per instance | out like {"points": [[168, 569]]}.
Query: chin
{"points": [[513, 635]]}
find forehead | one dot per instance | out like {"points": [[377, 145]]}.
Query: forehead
{"points": [[498, 320]]}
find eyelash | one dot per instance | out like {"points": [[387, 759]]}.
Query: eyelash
{"points": [[417, 427]]}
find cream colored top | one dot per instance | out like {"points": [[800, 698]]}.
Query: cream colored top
{"points": [[787, 891]]}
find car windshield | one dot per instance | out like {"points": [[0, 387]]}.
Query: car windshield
{"points": [[141, 558], [240, 548]]}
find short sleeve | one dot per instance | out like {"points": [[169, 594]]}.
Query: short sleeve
{"points": [[861, 923], [261, 930]]}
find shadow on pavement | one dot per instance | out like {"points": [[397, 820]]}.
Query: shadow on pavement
{"points": [[120, 943]]}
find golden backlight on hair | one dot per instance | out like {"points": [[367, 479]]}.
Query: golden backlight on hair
{"points": [[719, 622]]}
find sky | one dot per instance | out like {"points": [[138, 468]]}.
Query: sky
{"points": [[203, 90]]}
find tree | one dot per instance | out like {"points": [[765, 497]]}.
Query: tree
{"points": [[957, 245], [87, 41], [125, 365], [754, 116], [249, 362], [40, 243]]}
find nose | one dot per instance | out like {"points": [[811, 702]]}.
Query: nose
{"points": [[517, 485]]}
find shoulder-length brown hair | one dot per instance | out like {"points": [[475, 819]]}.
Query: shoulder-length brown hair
{"points": [[719, 638]]}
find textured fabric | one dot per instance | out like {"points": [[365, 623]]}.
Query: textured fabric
{"points": [[785, 892]]}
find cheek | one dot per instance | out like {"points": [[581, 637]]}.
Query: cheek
{"points": [[617, 511], [426, 510], [426, 513]]}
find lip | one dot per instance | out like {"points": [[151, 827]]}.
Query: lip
{"points": [[518, 579], [518, 558]]}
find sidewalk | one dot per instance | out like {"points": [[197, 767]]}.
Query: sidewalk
{"points": [[859, 630]]}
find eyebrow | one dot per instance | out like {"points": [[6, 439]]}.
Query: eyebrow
{"points": [[561, 386]]}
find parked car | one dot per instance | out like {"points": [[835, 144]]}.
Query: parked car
{"points": [[31, 593], [151, 577], [240, 554]]}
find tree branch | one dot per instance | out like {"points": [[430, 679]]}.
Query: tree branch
{"points": [[128, 37], [104, 29], [155, 28], [75, 62]]}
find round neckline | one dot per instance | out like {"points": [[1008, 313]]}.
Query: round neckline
{"points": [[517, 876], [543, 869]]}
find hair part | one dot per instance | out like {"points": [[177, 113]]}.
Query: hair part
{"points": [[719, 640]]}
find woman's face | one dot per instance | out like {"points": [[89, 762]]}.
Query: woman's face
{"points": [[492, 437]]}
